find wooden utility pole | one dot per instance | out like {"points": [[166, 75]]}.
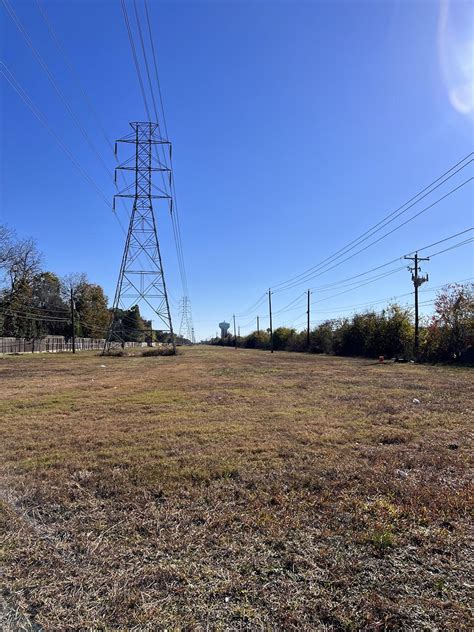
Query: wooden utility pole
{"points": [[73, 323], [271, 322], [258, 325], [235, 335], [309, 322], [417, 281]]}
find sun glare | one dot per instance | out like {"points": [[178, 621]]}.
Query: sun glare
{"points": [[456, 53]]}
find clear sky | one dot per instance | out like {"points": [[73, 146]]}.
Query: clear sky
{"points": [[296, 126]]}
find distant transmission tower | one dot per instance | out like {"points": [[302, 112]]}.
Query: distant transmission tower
{"points": [[186, 329], [141, 279]]}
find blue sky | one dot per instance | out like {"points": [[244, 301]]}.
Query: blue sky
{"points": [[295, 126]]}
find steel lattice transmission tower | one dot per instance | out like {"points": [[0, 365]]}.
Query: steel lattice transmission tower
{"points": [[141, 279], [186, 329]]}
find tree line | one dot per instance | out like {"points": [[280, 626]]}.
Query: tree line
{"points": [[35, 302], [447, 336]]}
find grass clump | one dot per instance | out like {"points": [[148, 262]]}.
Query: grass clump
{"points": [[158, 351]]}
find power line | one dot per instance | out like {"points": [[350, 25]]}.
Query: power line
{"points": [[391, 217], [42, 119], [462, 243], [424, 210], [142, 88], [87, 100], [31, 316], [288, 307], [173, 210], [394, 271], [441, 241], [135, 58], [70, 66], [254, 306], [50, 76], [59, 92], [377, 278], [284, 309], [382, 276], [390, 298], [383, 265], [373, 279], [172, 197]]}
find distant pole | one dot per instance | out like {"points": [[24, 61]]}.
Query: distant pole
{"points": [[308, 316], [417, 281], [238, 330], [73, 323], [258, 325], [235, 335], [271, 322]]}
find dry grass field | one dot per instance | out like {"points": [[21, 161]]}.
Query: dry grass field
{"points": [[234, 490]]}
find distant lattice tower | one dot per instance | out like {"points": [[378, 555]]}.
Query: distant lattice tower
{"points": [[186, 329], [224, 328]]}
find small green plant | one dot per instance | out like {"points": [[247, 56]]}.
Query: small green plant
{"points": [[382, 540], [440, 586]]}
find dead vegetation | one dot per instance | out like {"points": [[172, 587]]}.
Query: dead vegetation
{"points": [[234, 490]]}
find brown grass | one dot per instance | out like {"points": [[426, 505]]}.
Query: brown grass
{"points": [[231, 490]]}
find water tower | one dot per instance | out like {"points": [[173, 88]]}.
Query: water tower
{"points": [[224, 328]]}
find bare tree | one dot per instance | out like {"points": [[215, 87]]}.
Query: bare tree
{"points": [[72, 282], [6, 245], [24, 263]]}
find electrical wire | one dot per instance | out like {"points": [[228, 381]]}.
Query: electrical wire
{"points": [[173, 210], [87, 100], [462, 243], [377, 277], [42, 119], [388, 298], [343, 281], [135, 57], [172, 195], [391, 217], [410, 219], [50, 76], [253, 307]]}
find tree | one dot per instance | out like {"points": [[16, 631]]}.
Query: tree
{"points": [[129, 326], [46, 299], [90, 304], [260, 340], [450, 333], [19, 264], [398, 331], [134, 326], [281, 337]]}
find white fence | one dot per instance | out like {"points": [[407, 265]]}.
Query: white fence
{"points": [[56, 344]]}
